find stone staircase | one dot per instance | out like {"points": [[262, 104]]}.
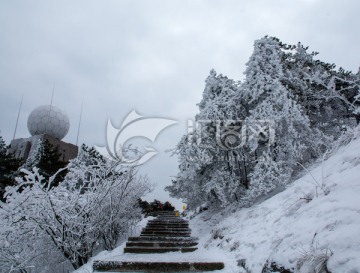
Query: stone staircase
{"points": [[166, 233]]}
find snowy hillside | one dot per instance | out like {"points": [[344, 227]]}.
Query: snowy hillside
{"points": [[316, 217]]}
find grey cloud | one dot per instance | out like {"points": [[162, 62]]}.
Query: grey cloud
{"points": [[149, 55]]}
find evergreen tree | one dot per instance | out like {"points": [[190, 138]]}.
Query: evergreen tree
{"points": [[323, 92], [225, 111], [50, 163], [79, 171], [48, 160], [8, 168], [290, 107], [211, 146], [270, 100]]}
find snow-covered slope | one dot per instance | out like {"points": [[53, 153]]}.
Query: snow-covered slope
{"points": [[318, 216]]}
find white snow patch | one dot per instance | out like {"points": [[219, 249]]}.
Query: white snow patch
{"points": [[321, 211]]}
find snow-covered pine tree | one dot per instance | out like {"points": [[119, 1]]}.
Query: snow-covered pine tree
{"points": [[50, 163], [345, 90], [322, 92], [79, 170], [193, 162], [273, 105], [211, 147], [47, 159], [224, 117], [300, 104]]}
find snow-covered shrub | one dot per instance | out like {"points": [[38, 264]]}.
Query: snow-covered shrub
{"points": [[89, 211], [348, 135], [314, 261], [217, 234], [234, 246]]}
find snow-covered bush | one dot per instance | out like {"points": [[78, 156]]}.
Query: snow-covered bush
{"points": [[313, 260], [89, 211]]}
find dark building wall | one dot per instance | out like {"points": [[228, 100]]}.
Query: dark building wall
{"points": [[67, 150], [25, 147]]}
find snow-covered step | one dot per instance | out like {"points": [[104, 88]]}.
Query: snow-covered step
{"points": [[176, 223], [164, 231], [162, 238], [182, 235], [136, 266], [159, 238], [158, 249], [175, 219], [150, 229], [168, 225], [168, 216], [162, 213], [161, 243]]}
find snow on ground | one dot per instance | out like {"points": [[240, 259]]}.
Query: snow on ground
{"points": [[87, 268], [318, 214], [200, 255]]}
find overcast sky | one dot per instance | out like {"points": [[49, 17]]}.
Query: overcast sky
{"points": [[150, 55]]}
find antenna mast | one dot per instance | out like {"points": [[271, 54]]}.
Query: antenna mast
{"points": [[78, 132], [51, 102], [17, 119]]}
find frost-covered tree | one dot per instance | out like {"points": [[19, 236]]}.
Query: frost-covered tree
{"points": [[47, 159], [289, 108], [75, 218], [216, 111], [324, 93], [345, 87], [188, 183], [271, 101], [210, 147]]}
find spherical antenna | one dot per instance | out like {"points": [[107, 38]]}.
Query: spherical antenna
{"points": [[50, 120]]}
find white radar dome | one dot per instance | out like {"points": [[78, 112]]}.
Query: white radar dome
{"points": [[49, 120]]}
